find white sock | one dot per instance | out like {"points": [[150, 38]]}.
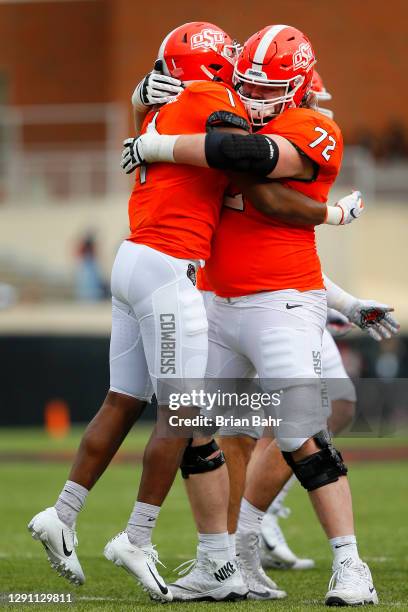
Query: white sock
{"points": [[250, 517], [277, 503], [141, 523], [215, 545], [343, 548], [70, 502], [231, 537]]}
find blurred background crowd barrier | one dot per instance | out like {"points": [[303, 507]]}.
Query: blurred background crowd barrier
{"points": [[67, 71]]}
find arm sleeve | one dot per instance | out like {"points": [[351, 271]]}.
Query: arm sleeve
{"points": [[314, 135], [337, 298]]}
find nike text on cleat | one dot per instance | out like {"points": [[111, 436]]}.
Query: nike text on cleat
{"points": [[140, 562], [351, 585], [247, 547], [274, 550], [208, 579], [59, 542]]}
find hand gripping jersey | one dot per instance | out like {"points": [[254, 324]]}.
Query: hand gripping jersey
{"points": [[175, 208], [252, 252]]}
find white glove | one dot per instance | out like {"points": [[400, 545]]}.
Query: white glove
{"points": [[155, 88], [147, 148], [132, 156], [337, 324], [346, 210], [352, 207], [374, 318]]}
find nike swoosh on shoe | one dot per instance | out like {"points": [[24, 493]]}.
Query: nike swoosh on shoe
{"points": [[67, 552], [163, 589]]}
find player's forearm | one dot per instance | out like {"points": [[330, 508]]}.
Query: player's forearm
{"points": [[337, 298], [275, 200], [190, 149], [256, 154]]}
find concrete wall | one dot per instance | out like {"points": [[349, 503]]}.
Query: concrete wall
{"points": [[368, 257]]}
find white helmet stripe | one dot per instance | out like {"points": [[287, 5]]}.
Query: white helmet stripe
{"points": [[160, 55], [264, 43]]}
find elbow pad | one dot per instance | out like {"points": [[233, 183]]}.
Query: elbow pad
{"points": [[254, 153]]}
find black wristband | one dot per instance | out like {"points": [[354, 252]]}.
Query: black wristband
{"points": [[254, 153]]}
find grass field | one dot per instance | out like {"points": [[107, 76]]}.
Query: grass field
{"points": [[380, 502]]}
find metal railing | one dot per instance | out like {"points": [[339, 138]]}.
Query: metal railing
{"points": [[52, 171], [29, 169]]}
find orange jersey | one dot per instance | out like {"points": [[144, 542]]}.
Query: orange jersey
{"points": [[175, 208], [253, 252], [202, 280]]}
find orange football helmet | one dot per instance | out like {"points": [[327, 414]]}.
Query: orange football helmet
{"points": [[281, 59], [199, 51]]}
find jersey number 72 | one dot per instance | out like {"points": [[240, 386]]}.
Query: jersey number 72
{"points": [[324, 136]]}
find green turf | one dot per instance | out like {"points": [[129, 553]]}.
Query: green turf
{"points": [[380, 496], [28, 439]]}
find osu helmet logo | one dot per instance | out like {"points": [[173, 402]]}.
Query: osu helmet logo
{"points": [[303, 57], [207, 38]]}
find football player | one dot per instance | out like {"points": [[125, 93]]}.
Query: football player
{"points": [[275, 552], [270, 309], [159, 327]]}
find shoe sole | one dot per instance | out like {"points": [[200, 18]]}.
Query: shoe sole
{"points": [[338, 601], [110, 556], [55, 562], [232, 596], [258, 596]]}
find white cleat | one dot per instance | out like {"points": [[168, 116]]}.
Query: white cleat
{"points": [[257, 591], [247, 548], [274, 550], [140, 562], [59, 542], [209, 579], [351, 585]]}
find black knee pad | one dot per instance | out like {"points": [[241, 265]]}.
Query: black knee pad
{"points": [[321, 468], [195, 459]]}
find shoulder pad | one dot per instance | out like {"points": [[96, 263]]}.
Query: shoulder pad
{"points": [[220, 119]]}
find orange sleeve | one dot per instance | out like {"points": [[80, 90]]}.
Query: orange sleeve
{"points": [[314, 134]]}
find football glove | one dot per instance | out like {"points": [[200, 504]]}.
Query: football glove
{"points": [[147, 148], [352, 207], [374, 318], [155, 88], [132, 156]]}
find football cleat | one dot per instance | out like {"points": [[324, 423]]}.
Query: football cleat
{"points": [[247, 548], [274, 550], [59, 542], [208, 579], [140, 562], [351, 585], [257, 591]]}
